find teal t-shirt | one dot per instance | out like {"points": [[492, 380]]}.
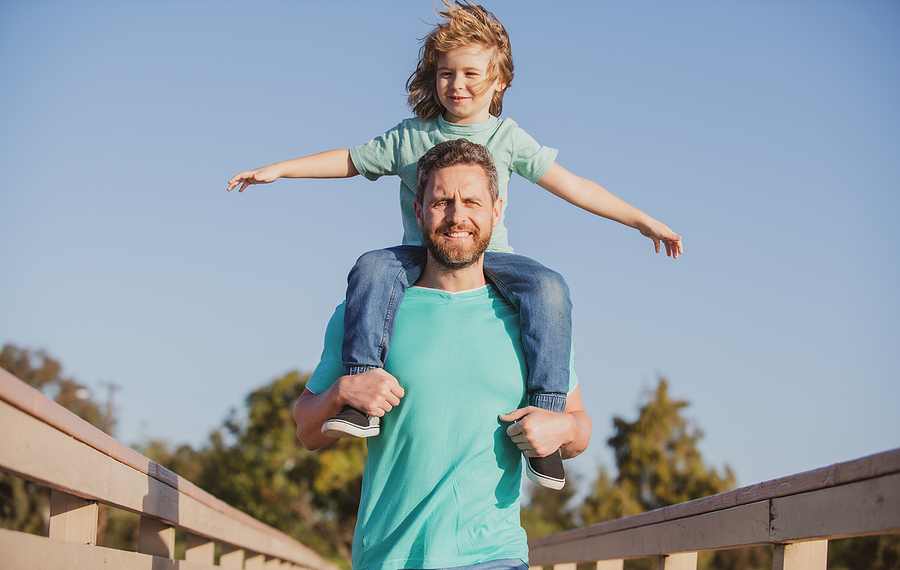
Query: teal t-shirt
{"points": [[441, 485], [398, 151]]}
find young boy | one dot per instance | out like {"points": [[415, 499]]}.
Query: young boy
{"points": [[465, 67]]}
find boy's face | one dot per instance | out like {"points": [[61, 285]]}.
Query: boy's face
{"points": [[463, 85]]}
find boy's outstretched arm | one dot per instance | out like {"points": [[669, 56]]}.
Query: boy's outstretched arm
{"points": [[328, 164], [594, 198]]}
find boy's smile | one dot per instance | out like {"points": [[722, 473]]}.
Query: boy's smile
{"points": [[464, 86]]}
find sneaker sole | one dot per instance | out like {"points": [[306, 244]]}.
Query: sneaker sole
{"points": [[341, 429], [543, 480]]}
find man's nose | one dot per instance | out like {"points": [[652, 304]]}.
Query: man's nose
{"points": [[455, 212]]}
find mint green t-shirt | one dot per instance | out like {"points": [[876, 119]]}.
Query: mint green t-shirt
{"points": [[441, 485], [398, 151]]}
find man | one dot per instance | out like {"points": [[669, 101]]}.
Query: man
{"points": [[441, 486]]}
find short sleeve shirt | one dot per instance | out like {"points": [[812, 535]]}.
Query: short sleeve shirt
{"points": [[441, 485], [398, 151]]}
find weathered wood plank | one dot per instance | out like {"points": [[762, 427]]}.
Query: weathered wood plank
{"points": [[19, 396], [41, 453], [801, 556], [864, 507], [21, 551], [740, 526], [833, 475]]}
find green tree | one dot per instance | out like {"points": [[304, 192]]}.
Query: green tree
{"points": [[657, 456], [865, 553], [608, 501], [40, 371], [659, 465], [256, 464]]}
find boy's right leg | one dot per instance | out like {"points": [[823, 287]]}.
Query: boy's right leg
{"points": [[376, 286]]}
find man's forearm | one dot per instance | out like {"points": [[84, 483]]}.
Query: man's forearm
{"points": [[581, 435], [310, 412]]}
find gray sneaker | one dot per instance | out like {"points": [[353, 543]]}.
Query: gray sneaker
{"points": [[350, 422], [547, 471]]}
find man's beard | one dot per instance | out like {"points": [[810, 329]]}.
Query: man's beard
{"points": [[458, 256]]}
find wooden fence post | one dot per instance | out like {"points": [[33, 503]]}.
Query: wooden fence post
{"points": [[156, 538], [231, 557], [683, 561], [199, 549], [72, 518], [801, 556]]}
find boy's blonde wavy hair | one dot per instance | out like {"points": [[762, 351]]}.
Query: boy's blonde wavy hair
{"points": [[466, 25]]}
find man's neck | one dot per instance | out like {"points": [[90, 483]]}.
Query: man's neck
{"points": [[435, 276]]}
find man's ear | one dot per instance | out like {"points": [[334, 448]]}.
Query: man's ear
{"points": [[497, 208], [418, 209]]}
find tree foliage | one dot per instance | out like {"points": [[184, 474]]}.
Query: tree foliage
{"points": [[657, 456], [40, 371], [865, 553], [659, 465], [256, 464]]}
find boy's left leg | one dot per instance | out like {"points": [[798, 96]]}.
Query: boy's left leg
{"points": [[545, 309]]}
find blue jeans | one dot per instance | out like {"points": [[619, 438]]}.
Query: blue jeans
{"points": [[379, 279]]}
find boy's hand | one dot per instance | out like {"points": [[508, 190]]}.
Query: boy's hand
{"points": [[374, 393], [658, 232], [263, 175], [538, 432]]}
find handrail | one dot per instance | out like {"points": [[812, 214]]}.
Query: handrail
{"points": [[83, 466], [798, 514]]}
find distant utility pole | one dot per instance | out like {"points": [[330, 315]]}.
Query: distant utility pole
{"points": [[109, 421]]}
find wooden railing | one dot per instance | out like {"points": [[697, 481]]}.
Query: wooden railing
{"points": [[796, 514], [84, 467], [43, 442]]}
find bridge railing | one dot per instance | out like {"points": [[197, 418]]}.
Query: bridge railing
{"points": [[44, 443], [798, 514]]}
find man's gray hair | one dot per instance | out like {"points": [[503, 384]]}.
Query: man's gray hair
{"points": [[456, 153]]}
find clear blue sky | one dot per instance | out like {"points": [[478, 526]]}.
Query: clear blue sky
{"points": [[766, 133]]}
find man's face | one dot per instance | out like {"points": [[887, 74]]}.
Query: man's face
{"points": [[457, 216]]}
